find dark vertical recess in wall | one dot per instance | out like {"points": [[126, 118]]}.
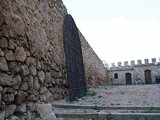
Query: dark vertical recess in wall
{"points": [[148, 78], [128, 79], [74, 59]]}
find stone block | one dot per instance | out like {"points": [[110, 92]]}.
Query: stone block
{"points": [[20, 54], [146, 61], [139, 62], [24, 70], [13, 117], [125, 63], [113, 65], [21, 108], [119, 64], [3, 64], [153, 60], [8, 97], [44, 109], [132, 62], [10, 110], [2, 114], [9, 55], [5, 79], [41, 76]]}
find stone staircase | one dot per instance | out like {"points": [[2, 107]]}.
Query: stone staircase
{"points": [[90, 112]]}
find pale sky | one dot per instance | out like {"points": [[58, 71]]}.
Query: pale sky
{"points": [[119, 30]]}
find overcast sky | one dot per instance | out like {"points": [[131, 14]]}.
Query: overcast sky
{"points": [[119, 30]]}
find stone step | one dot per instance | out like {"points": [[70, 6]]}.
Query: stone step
{"points": [[110, 116], [91, 112], [72, 106]]}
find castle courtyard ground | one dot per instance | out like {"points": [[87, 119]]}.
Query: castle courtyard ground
{"points": [[131, 95]]}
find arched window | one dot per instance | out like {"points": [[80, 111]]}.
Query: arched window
{"points": [[115, 76]]}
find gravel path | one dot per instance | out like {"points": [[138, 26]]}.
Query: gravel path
{"points": [[131, 95]]}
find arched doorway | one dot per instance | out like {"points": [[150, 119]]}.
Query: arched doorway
{"points": [[148, 78], [128, 79]]}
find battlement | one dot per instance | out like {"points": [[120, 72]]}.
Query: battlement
{"points": [[132, 63]]}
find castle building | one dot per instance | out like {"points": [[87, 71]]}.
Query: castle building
{"points": [[135, 74]]}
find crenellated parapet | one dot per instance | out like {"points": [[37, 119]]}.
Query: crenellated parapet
{"points": [[132, 63]]}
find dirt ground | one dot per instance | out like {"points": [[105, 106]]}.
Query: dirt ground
{"points": [[131, 95]]}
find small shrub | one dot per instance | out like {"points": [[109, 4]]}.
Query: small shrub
{"points": [[100, 96], [110, 117], [91, 93], [93, 118], [96, 108]]}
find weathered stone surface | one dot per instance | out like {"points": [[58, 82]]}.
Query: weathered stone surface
{"points": [[33, 98], [48, 78], [8, 97], [33, 49], [10, 110], [5, 79], [1, 89], [36, 83], [7, 90], [28, 53], [42, 90], [13, 117], [21, 97], [9, 55], [51, 116], [1, 53], [24, 70], [30, 61], [24, 86], [4, 43], [44, 109], [47, 95], [11, 45], [39, 65], [30, 81], [31, 106], [16, 80], [2, 105], [95, 71], [14, 67], [54, 74], [3, 64], [43, 98], [32, 70], [21, 108], [20, 54], [2, 114], [41, 76]]}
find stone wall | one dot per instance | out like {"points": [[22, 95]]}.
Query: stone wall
{"points": [[95, 71], [32, 65], [137, 72]]}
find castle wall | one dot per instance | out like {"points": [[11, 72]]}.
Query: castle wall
{"points": [[95, 71], [137, 72], [32, 64]]}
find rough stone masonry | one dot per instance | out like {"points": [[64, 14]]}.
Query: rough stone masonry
{"points": [[32, 63]]}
